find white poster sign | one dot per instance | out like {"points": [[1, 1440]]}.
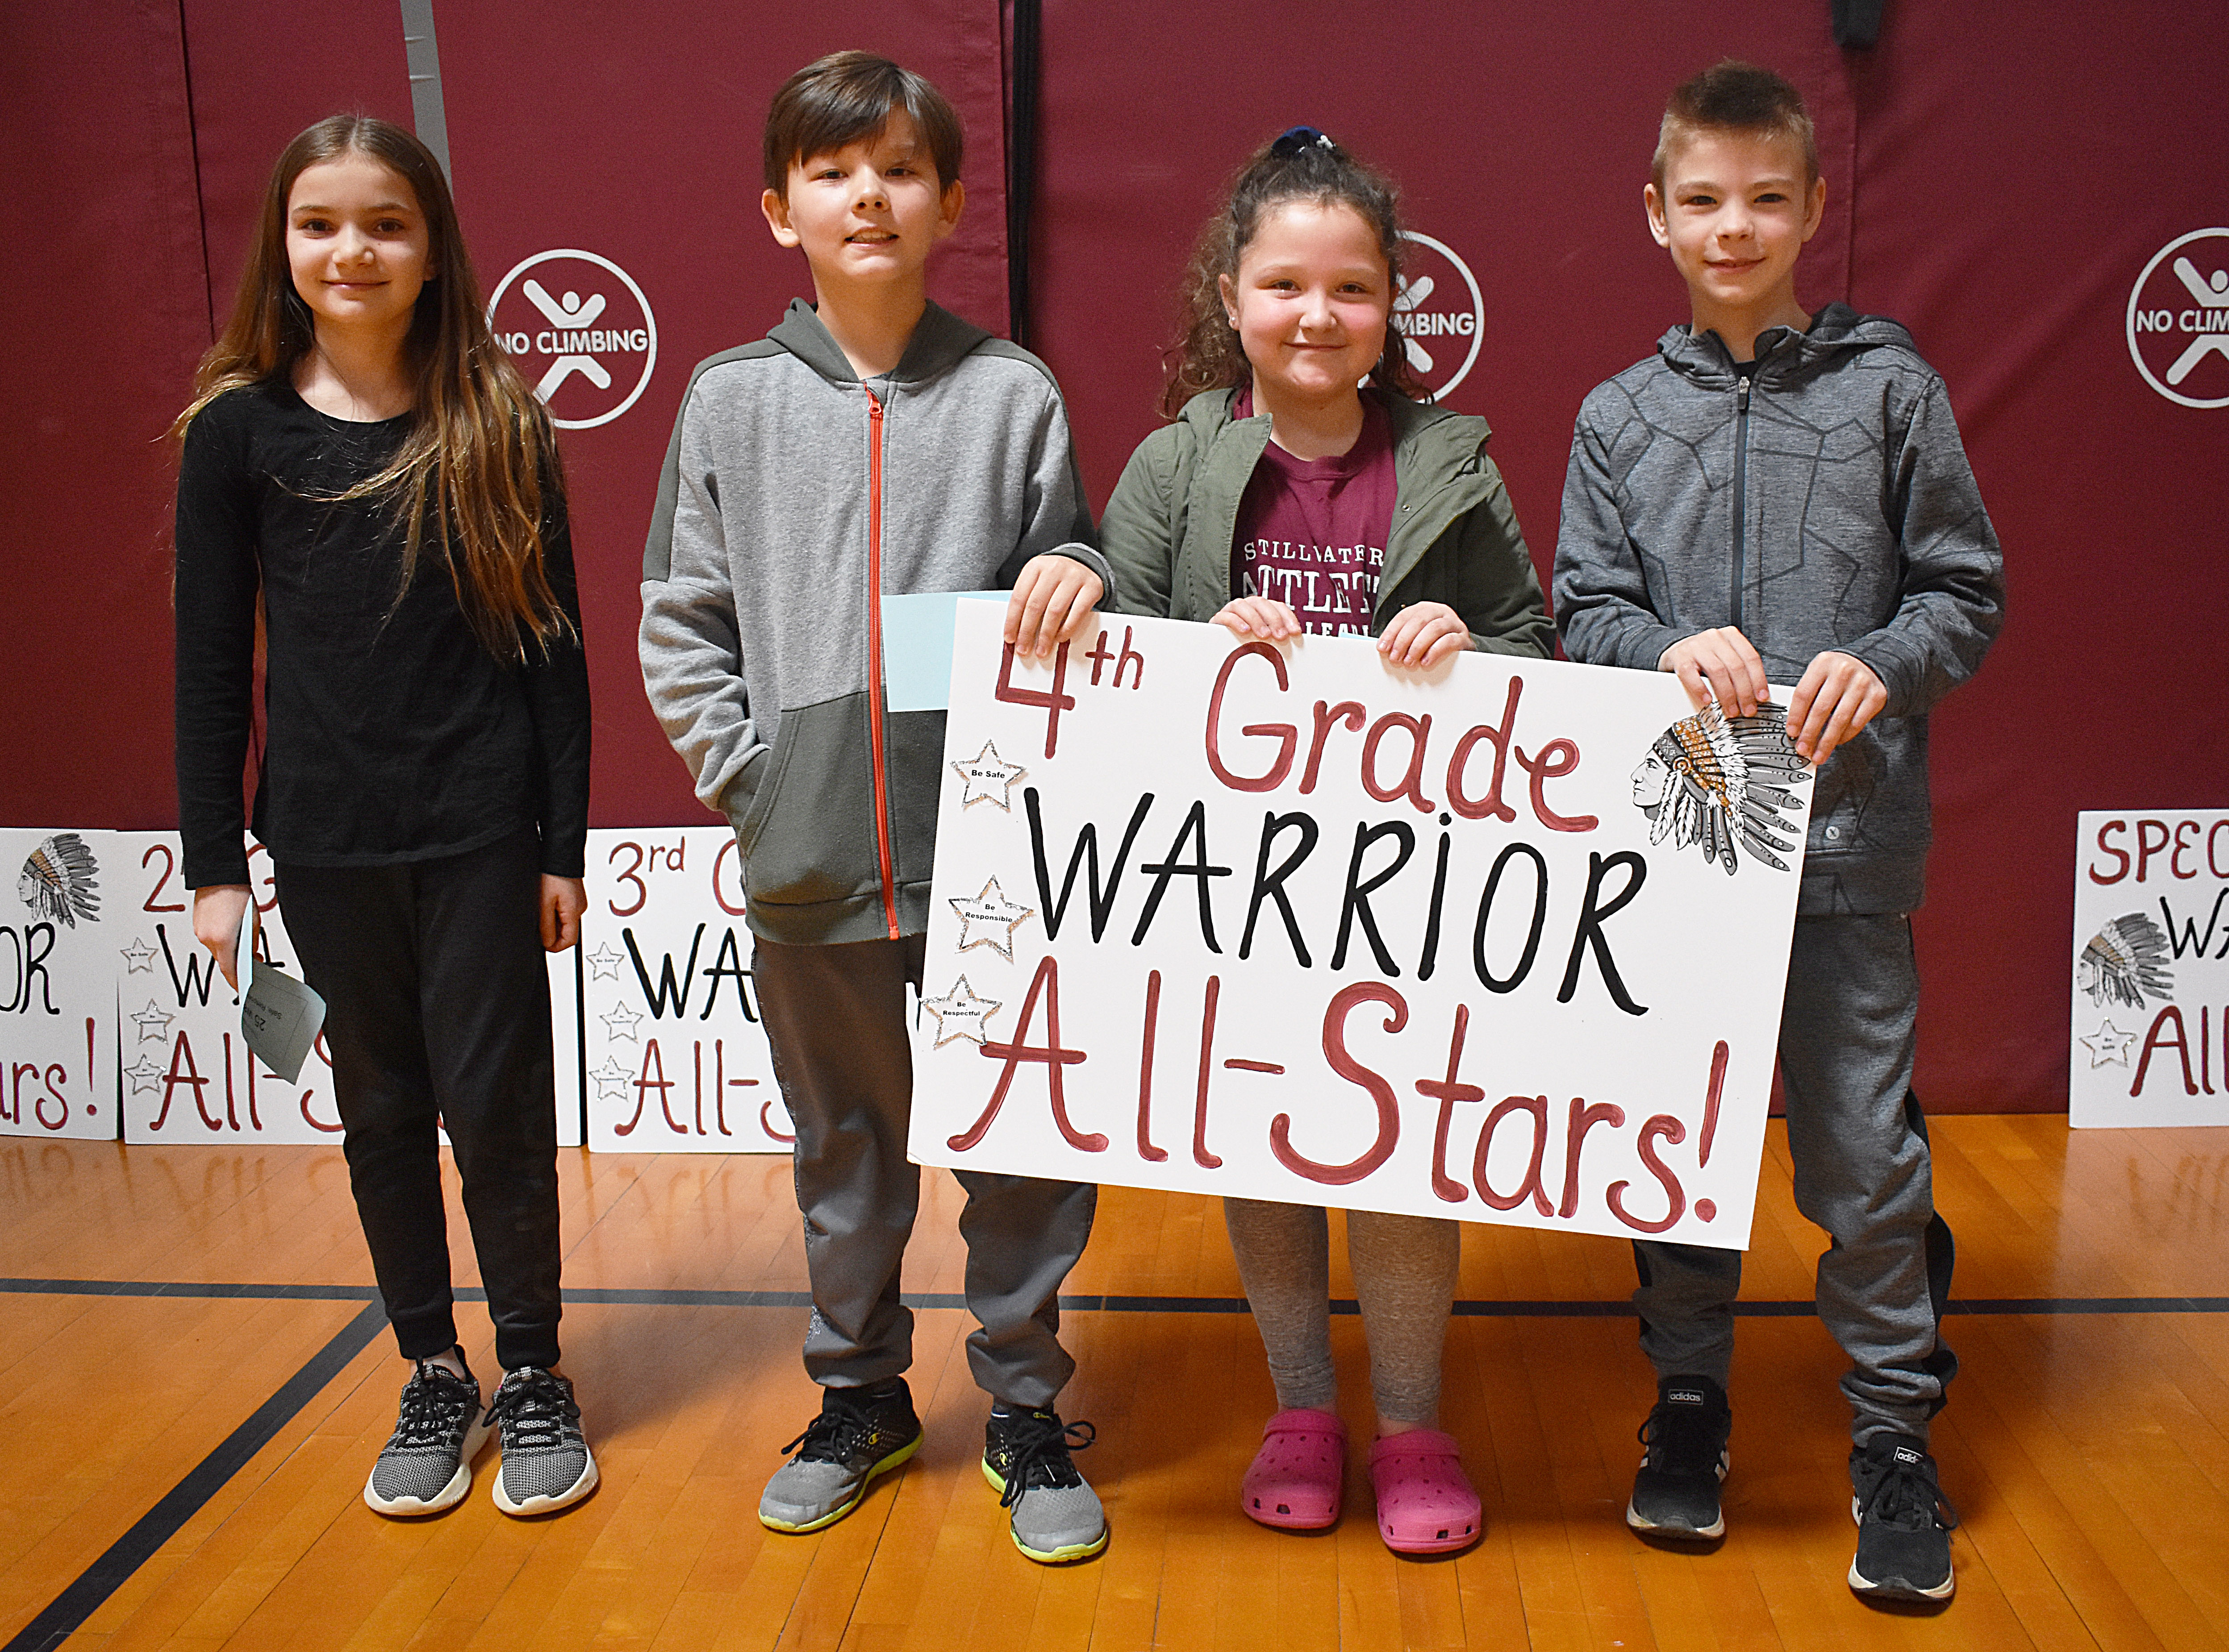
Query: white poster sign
{"points": [[187, 1074], [675, 1058], [57, 990], [2150, 969], [1505, 941]]}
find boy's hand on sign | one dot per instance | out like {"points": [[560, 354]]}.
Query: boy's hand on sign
{"points": [[1423, 634], [563, 900], [1720, 664], [1259, 616], [1839, 696], [1052, 602], [218, 909]]}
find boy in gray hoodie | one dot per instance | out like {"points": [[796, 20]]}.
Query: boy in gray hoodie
{"points": [[870, 444], [1776, 495]]}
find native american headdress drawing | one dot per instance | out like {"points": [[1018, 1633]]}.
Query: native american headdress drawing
{"points": [[1719, 781], [2124, 961], [57, 880]]}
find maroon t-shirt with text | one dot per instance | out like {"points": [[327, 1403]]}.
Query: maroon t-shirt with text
{"points": [[1312, 532]]}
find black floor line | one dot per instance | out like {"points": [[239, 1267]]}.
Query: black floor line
{"points": [[1465, 1310], [648, 1296], [69, 1610]]}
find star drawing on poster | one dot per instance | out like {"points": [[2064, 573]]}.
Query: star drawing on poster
{"points": [[960, 1014], [620, 1023], [2109, 1044], [604, 962], [988, 776], [144, 1074], [611, 1080], [137, 956], [990, 920], [153, 1021]]}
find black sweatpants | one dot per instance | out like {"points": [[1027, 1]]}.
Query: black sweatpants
{"points": [[438, 1010]]}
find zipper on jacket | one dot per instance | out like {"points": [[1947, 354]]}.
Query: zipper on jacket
{"points": [[887, 860], [1741, 489]]}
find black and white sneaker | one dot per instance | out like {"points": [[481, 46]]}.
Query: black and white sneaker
{"points": [[860, 1433], [427, 1463], [1675, 1493], [1057, 1516], [546, 1463], [1904, 1522]]}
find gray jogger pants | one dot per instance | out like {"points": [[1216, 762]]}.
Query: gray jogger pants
{"points": [[1859, 1143], [836, 1018]]}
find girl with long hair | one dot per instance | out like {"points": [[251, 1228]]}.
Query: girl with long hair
{"points": [[368, 483], [1285, 500]]}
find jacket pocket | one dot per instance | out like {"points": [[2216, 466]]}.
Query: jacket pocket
{"points": [[755, 784], [808, 835]]}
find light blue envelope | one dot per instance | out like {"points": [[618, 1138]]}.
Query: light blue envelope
{"points": [[917, 648]]}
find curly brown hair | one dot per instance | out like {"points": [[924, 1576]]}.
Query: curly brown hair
{"points": [[1302, 165]]}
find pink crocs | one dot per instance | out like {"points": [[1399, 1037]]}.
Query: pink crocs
{"points": [[1299, 1474], [1425, 1503]]}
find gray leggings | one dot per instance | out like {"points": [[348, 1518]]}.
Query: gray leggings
{"points": [[1404, 1281]]}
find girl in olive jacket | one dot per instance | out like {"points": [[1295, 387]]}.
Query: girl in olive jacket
{"points": [[1282, 500]]}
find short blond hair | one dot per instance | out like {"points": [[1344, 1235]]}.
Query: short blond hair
{"points": [[1736, 96]]}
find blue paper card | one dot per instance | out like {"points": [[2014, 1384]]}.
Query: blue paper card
{"points": [[917, 648]]}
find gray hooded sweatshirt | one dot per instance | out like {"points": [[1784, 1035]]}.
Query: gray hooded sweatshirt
{"points": [[1826, 506], [794, 497]]}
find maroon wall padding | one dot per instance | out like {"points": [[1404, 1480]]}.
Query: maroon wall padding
{"points": [[1998, 176], [107, 298], [640, 141], [1522, 142], [260, 73], [2018, 169]]}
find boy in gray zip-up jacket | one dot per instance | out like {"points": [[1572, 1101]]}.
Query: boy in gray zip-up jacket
{"points": [[874, 445], [1776, 497]]}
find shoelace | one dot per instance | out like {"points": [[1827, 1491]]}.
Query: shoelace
{"points": [[834, 1435], [1036, 1454], [533, 1410], [1909, 1499], [430, 1402], [1681, 1439]]}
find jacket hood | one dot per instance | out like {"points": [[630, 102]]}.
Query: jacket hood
{"points": [[939, 339], [1784, 355]]}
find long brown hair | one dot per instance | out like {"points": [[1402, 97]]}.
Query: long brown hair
{"points": [[1301, 166], [479, 471]]}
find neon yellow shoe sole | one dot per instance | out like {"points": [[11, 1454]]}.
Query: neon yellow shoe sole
{"points": [[797, 1528], [1053, 1557]]}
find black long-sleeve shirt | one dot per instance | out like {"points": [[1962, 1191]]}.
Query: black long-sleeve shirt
{"points": [[389, 736]]}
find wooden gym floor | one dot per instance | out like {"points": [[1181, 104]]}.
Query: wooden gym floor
{"points": [[195, 1381]]}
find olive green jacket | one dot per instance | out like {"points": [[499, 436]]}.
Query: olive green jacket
{"points": [[1168, 527]]}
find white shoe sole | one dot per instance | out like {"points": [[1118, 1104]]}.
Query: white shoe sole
{"points": [[1691, 1534], [1897, 1589], [448, 1497], [565, 1499]]}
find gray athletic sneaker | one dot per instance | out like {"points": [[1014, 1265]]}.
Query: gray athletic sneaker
{"points": [[860, 1433], [546, 1463], [1057, 1515], [427, 1463]]}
